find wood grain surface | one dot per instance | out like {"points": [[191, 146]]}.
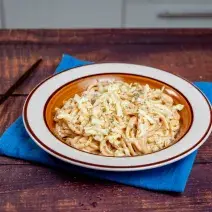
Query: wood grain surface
{"points": [[29, 187]]}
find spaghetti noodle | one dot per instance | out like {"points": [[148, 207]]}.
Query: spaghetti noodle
{"points": [[118, 119]]}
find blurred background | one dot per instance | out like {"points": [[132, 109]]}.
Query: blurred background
{"points": [[105, 13]]}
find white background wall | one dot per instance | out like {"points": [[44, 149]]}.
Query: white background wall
{"points": [[103, 13]]}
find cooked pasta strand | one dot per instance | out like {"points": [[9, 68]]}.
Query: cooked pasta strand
{"points": [[118, 119]]}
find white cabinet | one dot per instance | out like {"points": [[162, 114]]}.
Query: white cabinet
{"points": [[175, 1], [1, 14], [105, 13], [160, 14], [62, 13]]}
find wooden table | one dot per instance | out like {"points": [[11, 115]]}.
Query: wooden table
{"points": [[30, 187]]}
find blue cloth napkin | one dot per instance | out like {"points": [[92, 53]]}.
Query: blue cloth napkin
{"points": [[16, 143]]}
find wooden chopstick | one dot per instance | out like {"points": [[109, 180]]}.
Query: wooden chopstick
{"points": [[19, 81]]}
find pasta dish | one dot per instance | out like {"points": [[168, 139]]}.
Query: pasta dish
{"points": [[114, 118]]}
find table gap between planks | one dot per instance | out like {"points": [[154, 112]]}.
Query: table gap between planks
{"points": [[31, 187]]}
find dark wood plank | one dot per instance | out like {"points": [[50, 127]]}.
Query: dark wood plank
{"points": [[190, 61], [10, 111], [33, 188], [15, 62], [15, 105], [107, 36], [12, 161], [10, 91]]}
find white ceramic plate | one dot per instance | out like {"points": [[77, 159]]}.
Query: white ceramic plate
{"points": [[35, 124]]}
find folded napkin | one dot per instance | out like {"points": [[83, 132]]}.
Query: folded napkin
{"points": [[16, 143]]}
